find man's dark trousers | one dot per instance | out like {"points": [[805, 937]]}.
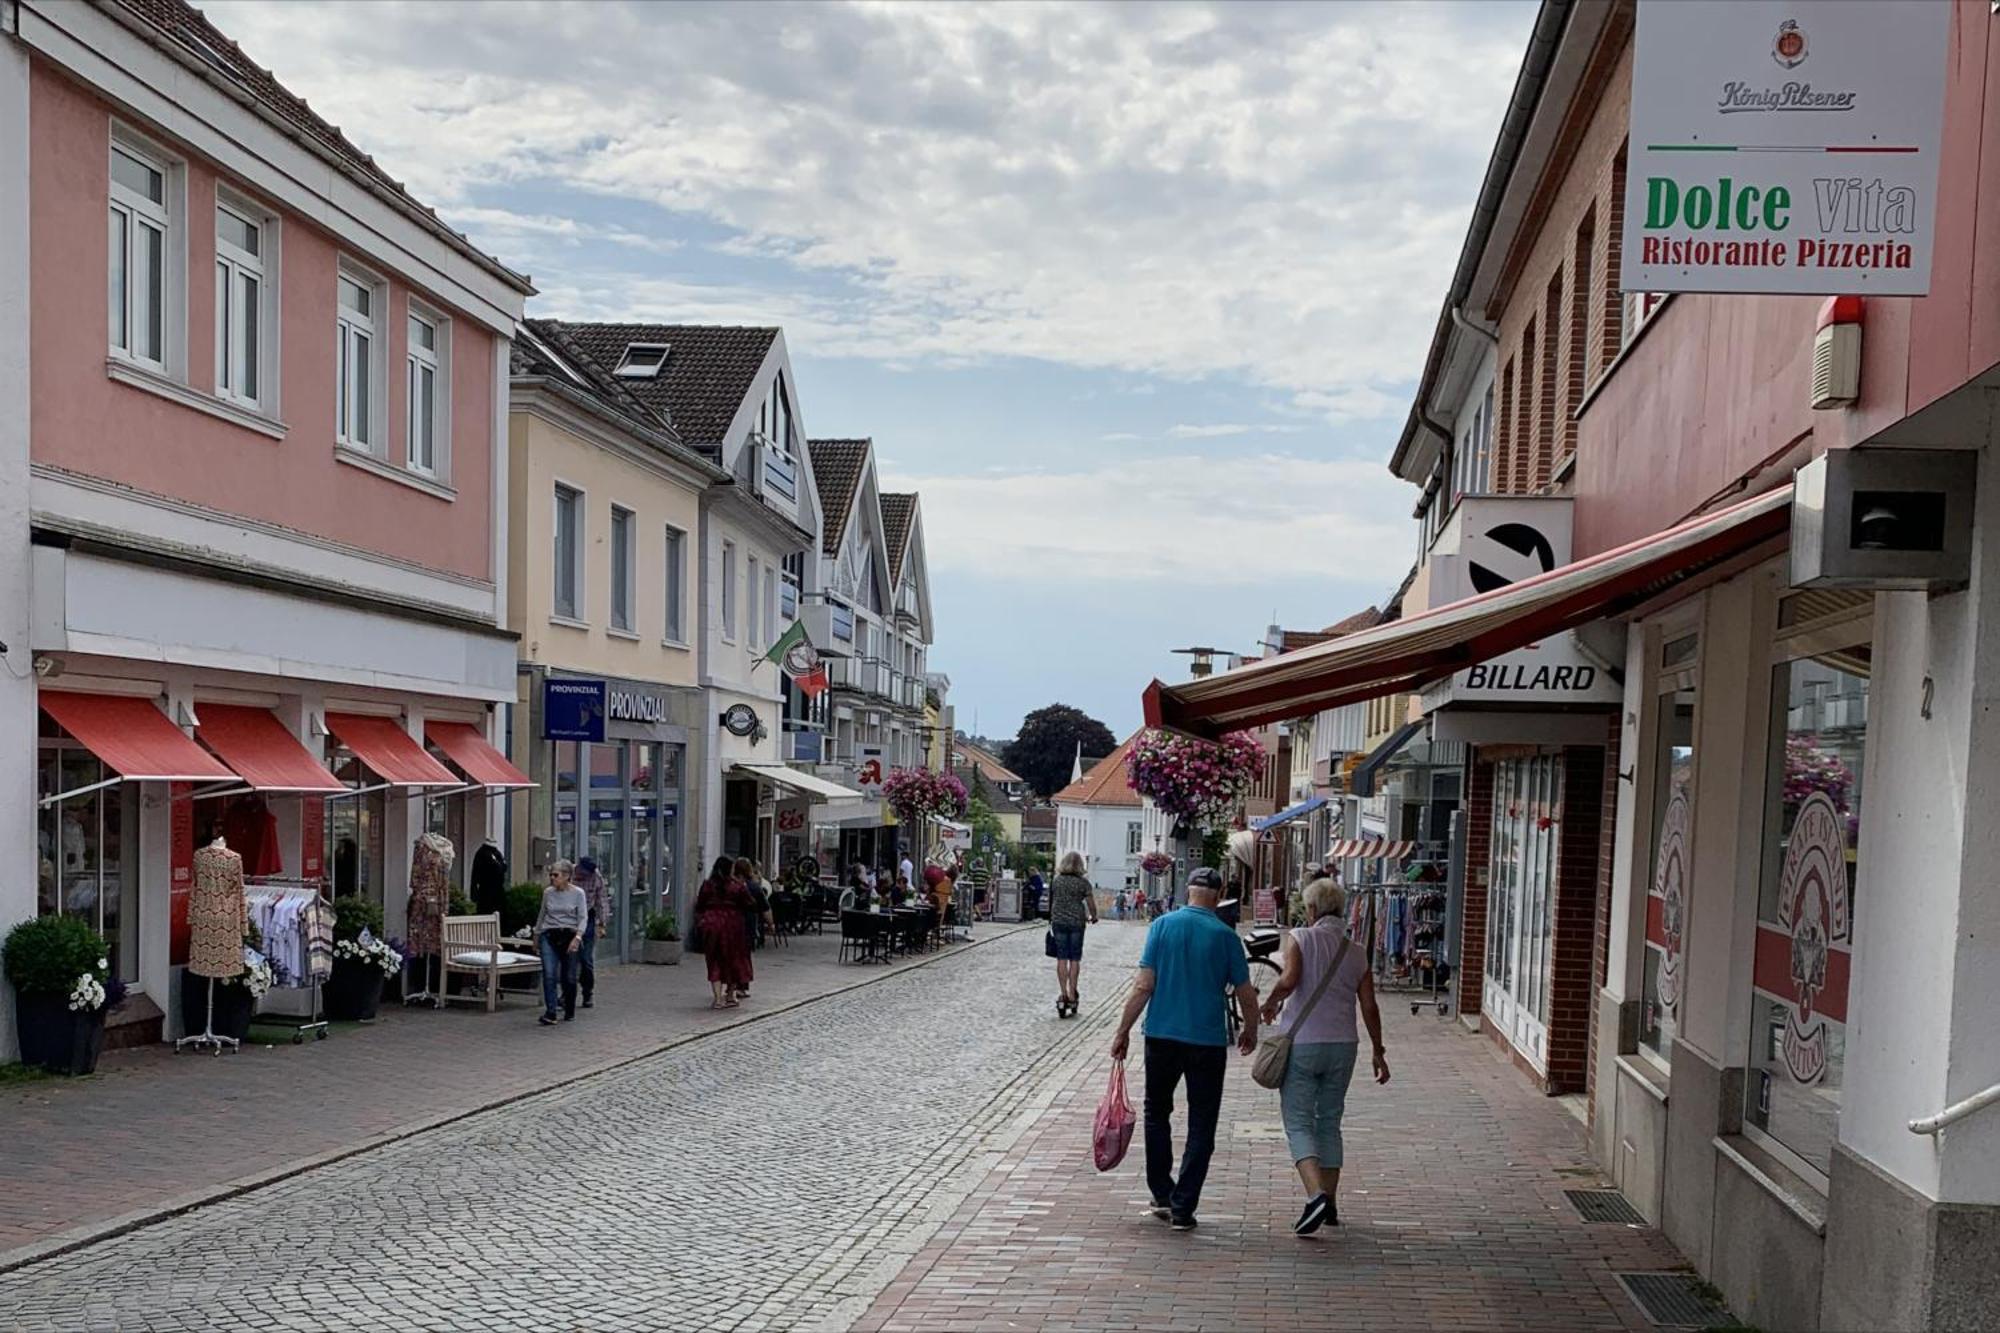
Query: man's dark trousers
{"points": [[1167, 1063]]}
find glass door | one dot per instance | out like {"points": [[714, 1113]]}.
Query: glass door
{"points": [[639, 900], [605, 838]]}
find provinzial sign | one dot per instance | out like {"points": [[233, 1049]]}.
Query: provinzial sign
{"points": [[1784, 146], [572, 710]]}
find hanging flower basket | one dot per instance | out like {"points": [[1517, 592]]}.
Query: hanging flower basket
{"points": [[1156, 863], [1196, 781], [917, 794]]}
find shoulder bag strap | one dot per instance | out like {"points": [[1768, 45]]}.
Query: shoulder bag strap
{"points": [[1332, 971]]}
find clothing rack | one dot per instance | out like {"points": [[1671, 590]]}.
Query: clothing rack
{"points": [[310, 959], [1400, 917]]}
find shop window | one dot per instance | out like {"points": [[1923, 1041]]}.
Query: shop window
{"points": [[1805, 904], [86, 845], [1520, 912], [428, 392], [243, 245], [141, 228], [568, 576], [676, 578], [622, 569], [1667, 890]]}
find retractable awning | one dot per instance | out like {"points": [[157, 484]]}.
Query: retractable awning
{"points": [[1299, 811], [1407, 654], [1362, 783], [475, 756], [1368, 849], [806, 784], [387, 750], [134, 739], [262, 752]]}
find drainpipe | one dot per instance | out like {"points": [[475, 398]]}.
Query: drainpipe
{"points": [[1467, 324]]}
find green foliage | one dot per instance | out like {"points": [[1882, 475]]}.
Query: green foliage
{"points": [[46, 955], [989, 835], [662, 926], [1214, 846], [460, 904], [352, 914], [1044, 750], [520, 907]]}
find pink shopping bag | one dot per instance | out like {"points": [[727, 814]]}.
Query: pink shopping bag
{"points": [[1112, 1133]]}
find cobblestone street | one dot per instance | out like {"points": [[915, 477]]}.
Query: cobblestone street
{"points": [[911, 1155]]}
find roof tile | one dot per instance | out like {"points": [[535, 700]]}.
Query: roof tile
{"points": [[708, 374], [837, 469], [1105, 783], [898, 509]]}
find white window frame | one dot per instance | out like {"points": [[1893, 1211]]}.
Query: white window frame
{"points": [[577, 613], [673, 562], [624, 568], [728, 591], [437, 360], [770, 603], [234, 266], [753, 597], [165, 216], [348, 326]]}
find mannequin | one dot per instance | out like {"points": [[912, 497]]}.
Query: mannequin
{"points": [[218, 918], [430, 897], [489, 878]]}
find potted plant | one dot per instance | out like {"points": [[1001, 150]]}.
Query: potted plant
{"points": [[362, 961], [234, 999], [63, 988], [663, 939]]}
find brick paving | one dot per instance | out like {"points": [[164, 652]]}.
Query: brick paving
{"points": [[153, 1130], [1452, 1217]]}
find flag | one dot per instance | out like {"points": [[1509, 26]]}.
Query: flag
{"points": [[813, 683], [798, 659], [790, 639]]}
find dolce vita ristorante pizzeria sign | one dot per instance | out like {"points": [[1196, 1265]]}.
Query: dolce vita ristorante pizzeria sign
{"points": [[1783, 147]]}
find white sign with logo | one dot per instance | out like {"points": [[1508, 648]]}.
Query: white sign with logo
{"points": [[869, 770], [1492, 542], [1784, 147]]}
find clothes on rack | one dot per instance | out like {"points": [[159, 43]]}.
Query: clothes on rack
{"points": [[430, 892], [319, 939], [217, 914], [297, 928], [252, 832]]}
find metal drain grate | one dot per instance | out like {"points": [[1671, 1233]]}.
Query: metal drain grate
{"points": [[1676, 1300], [1603, 1206]]}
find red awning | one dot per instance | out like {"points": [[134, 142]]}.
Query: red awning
{"points": [[133, 738], [1347, 849], [464, 746], [383, 745], [261, 751], [1404, 655]]}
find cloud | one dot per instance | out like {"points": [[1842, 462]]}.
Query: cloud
{"points": [[1117, 435], [1268, 193], [1191, 522], [1208, 432]]}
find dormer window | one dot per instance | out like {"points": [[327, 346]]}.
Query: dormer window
{"points": [[642, 361]]}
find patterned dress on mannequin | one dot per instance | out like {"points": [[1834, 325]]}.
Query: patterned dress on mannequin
{"points": [[218, 916], [430, 892]]}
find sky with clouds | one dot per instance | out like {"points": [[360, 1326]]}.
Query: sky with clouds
{"points": [[1134, 294]]}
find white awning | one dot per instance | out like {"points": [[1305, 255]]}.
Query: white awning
{"points": [[798, 780]]}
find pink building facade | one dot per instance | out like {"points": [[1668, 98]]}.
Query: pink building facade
{"points": [[252, 457]]}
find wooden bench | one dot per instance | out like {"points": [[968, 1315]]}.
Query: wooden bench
{"points": [[473, 945]]}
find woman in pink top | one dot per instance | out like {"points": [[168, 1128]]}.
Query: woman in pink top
{"points": [[1325, 1043]]}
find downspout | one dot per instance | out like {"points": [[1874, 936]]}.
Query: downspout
{"points": [[1466, 323]]}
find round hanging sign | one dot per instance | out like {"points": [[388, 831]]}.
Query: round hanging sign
{"points": [[739, 719]]}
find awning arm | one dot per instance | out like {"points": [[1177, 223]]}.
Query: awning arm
{"points": [[219, 789], [359, 791], [431, 793], [48, 801]]}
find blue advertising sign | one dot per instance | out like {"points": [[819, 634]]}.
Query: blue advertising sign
{"points": [[572, 710]]}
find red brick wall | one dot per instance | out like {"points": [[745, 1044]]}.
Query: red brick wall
{"points": [[1607, 839], [1478, 865], [1571, 980]]}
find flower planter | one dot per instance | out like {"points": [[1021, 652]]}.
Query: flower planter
{"points": [[59, 1039], [234, 1006], [353, 991], [660, 951]]}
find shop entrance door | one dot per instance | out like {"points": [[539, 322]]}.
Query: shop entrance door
{"points": [[606, 837], [1527, 814]]}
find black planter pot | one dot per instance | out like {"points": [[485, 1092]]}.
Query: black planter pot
{"points": [[56, 1037], [233, 1006], [353, 992]]}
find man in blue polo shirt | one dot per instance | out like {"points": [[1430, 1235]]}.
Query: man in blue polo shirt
{"points": [[1191, 958]]}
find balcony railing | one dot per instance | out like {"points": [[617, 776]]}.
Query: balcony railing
{"points": [[774, 475]]}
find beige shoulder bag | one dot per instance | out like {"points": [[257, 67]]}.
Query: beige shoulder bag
{"points": [[1274, 1053]]}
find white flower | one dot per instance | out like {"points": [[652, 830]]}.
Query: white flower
{"points": [[104, 964], [87, 994]]}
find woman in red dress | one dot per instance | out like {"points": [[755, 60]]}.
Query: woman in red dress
{"points": [[719, 908]]}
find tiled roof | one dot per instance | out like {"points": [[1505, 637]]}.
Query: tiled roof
{"points": [[1366, 618], [708, 374], [548, 350], [897, 511], [186, 27], [1291, 640], [986, 761], [1105, 783], [837, 468], [1039, 817]]}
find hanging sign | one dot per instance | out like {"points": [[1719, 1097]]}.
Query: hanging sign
{"points": [[1787, 146], [573, 710]]}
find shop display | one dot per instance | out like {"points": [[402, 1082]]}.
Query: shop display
{"points": [[489, 878], [217, 912], [430, 899]]}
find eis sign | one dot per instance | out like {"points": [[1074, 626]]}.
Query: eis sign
{"points": [[1784, 146]]}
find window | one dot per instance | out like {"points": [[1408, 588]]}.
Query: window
{"points": [[840, 619], [1134, 838], [621, 569], [1672, 837], [241, 244], [754, 595], [770, 604], [354, 356], [729, 591], [774, 416], [1805, 904], [569, 553], [426, 392], [676, 574], [85, 871], [788, 589], [1520, 918], [140, 226], [642, 361]]}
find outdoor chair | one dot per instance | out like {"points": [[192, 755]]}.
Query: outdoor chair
{"points": [[472, 945]]}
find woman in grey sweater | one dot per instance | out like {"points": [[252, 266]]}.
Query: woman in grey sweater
{"points": [[559, 936], [1071, 907]]}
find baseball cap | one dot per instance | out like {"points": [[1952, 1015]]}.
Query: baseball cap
{"points": [[1205, 878]]}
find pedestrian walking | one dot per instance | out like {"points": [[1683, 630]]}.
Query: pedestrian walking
{"points": [[1118, 906], [1071, 907], [559, 939], [1192, 966], [597, 890], [1325, 980], [719, 909]]}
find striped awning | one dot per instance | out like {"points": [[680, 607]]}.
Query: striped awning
{"points": [[1349, 849], [1405, 655]]}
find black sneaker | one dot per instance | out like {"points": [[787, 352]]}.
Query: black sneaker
{"points": [[569, 1015], [1314, 1217], [1162, 1210], [1183, 1222], [586, 1002], [547, 1020]]}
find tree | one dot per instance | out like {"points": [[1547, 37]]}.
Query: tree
{"points": [[1044, 750], [989, 835]]}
